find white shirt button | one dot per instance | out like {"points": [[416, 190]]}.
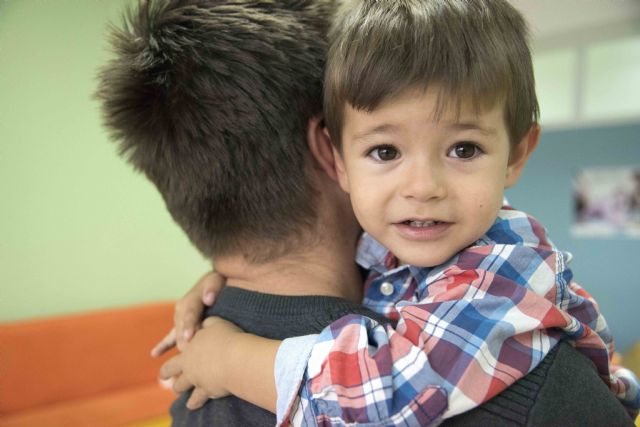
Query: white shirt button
{"points": [[386, 288]]}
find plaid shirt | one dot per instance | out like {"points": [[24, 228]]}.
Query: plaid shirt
{"points": [[465, 331]]}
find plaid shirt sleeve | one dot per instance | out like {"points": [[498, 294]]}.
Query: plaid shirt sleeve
{"points": [[465, 331]]}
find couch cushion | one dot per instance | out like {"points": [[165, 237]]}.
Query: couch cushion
{"points": [[62, 358], [104, 410]]}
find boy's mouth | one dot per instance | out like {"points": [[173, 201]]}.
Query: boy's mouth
{"points": [[421, 224], [423, 229]]}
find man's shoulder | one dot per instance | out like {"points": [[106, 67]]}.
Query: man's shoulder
{"points": [[564, 389], [281, 316], [573, 394]]}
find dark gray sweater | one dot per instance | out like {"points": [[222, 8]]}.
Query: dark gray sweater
{"points": [[564, 390]]}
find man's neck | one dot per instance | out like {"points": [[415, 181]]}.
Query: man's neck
{"points": [[323, 259], [324, 269]]}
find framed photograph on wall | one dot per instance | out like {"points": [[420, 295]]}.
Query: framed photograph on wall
{"points": [[607, 202]]}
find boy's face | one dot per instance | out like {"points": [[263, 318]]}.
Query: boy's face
{"points": [[427, 188]]}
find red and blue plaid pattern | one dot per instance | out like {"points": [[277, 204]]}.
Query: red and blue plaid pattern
{"points": [[464, 331]]}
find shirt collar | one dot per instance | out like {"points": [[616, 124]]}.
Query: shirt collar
{"points": [[372, 255]]}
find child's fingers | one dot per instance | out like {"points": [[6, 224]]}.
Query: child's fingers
{"points": [[212, 283], [181, 384], [188, 314], [210, 321], [165, 344], [186, 325], [171, 368], [197, 399], [166, 384]]}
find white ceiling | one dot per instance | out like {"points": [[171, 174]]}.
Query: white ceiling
{"points": [[555, 19]]}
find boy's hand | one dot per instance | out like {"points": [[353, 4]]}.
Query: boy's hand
{"points": [[202, 363], [188, 312]]}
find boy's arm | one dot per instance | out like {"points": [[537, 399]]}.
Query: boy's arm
{"points": [[220, 360]]}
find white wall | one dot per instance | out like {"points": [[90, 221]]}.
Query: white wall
{"points": [[593, 83], [586, 60]]}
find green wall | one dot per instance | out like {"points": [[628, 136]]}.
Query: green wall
{"points": [[78, 228]]}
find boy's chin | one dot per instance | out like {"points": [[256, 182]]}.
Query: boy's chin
{"points": [[421, 260]]}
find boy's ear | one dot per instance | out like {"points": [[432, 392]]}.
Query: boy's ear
{"points": [[321, 147], [325, 154], [520, 154]]}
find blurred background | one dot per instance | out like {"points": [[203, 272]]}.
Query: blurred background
{"points": [[80, 230]]}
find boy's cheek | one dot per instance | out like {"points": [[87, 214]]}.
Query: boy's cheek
{"points": [[343, 180], [513, 175], [343, 177]]}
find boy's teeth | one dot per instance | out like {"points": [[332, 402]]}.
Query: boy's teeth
{"points": [[422, 223]]}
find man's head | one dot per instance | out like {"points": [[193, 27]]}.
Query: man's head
{"points": [[474, 51], [433, 110], [211, 100]]}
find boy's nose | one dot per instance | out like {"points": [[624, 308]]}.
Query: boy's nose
{"points": [[423, 182]]}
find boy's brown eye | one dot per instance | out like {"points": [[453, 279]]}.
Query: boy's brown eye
{"points": [[465, 150], [384, 153]]}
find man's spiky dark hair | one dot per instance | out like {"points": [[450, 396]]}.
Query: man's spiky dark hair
{"points": [[211, 100]]}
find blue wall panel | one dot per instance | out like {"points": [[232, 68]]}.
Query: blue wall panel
{"points": [[607, 268]]}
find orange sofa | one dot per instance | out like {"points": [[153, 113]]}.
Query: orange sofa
{"points": [[89, 369]]}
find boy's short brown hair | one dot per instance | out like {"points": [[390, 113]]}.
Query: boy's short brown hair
{"points": [[211, 100], [378, 49]]}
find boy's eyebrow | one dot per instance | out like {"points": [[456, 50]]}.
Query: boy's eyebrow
{"points": [[473, 126], [385, 128], [456, 126]]}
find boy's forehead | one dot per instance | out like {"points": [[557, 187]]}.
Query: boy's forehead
{"points": [[433, 105]]}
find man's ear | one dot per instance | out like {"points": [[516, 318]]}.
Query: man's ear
{"points": [[321, 147], [520, 154]]}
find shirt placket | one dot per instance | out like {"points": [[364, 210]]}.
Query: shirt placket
{"points": [[387, 289]]}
